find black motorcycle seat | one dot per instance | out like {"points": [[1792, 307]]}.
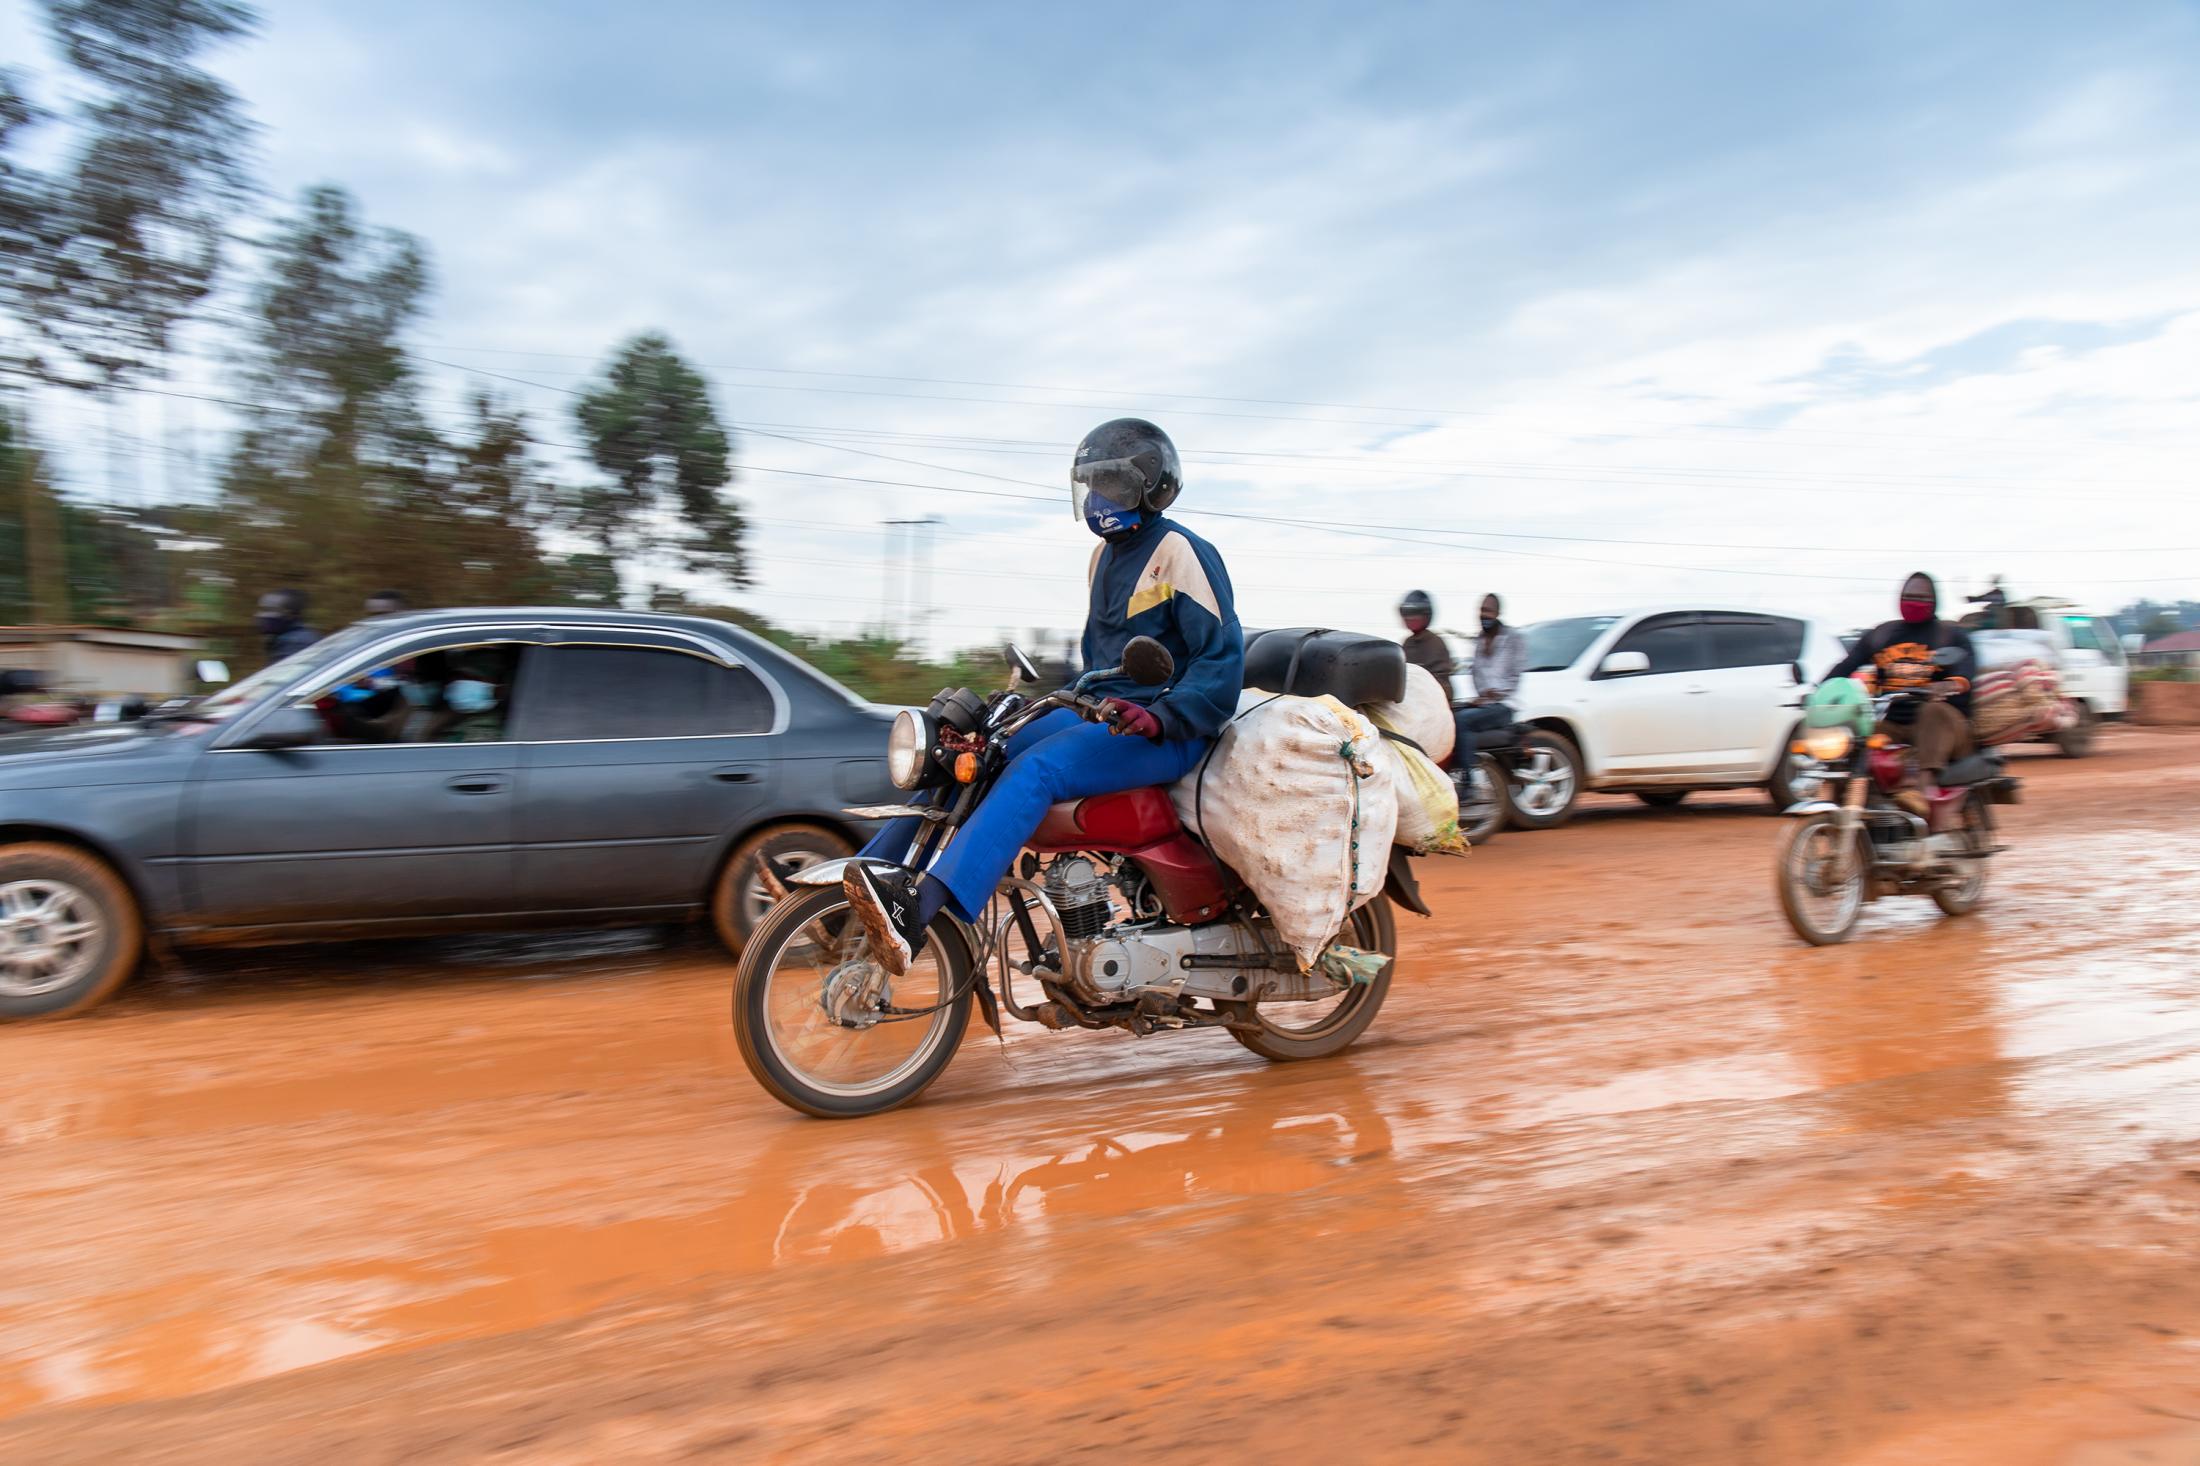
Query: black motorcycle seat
{"points": [[1976, 768], [1498, 737]]}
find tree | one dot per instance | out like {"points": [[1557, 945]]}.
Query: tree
{"points": [[650, 426], [110, 251], [336, 485]]}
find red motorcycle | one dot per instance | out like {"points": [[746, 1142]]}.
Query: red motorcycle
{"points": [[1119, 915]]}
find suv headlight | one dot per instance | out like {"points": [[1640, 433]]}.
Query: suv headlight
{"points": [[908, 748], [1828, 745]]}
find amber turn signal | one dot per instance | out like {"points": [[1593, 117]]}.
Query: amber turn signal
{"points": [[966, 768], [1877, 740]]}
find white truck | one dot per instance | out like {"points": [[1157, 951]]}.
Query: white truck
{"points": [[2090, 664]]}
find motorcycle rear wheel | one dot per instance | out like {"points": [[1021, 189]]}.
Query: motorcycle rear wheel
{"points": [[1963, 897], [1822, 910], [1325, 1030], [1482, 799], [802, 1057]]}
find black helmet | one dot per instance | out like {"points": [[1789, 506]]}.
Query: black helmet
{"points": [[1128, 462], [1417, 603]]}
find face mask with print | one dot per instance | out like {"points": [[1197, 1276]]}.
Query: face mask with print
{"points": [[469, 696]]}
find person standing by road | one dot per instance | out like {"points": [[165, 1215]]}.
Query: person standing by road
{"points": [[387, 603], [1424, 647], [1500, 654], [281, 622]]}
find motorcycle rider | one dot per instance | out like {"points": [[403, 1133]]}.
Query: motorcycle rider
{"points": [[1937, 731], [280, 620], [1424, 648], [1149, 576], [1500, 653]]}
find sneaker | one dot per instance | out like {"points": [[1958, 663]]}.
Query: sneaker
{"points": [[886, 903]]}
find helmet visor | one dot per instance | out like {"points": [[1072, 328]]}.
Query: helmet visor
{"points": [[1120, 481]]}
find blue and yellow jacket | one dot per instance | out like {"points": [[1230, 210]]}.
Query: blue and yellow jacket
{"points": [[1165, 582]]}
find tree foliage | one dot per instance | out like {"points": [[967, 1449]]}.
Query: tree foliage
{"points": [[111, 250], [649, 425]]}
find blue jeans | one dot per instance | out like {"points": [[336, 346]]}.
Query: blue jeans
{"points": [[1471, 721], [1060, 757]]}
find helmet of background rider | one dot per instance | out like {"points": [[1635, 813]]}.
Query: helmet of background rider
{"points": [[1416, 610], [1920, 600], [1124, 471]]}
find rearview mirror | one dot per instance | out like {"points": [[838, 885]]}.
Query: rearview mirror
{"points": [[287, 728], [212, 672], [1624, 664], [1021, 670], [1147, 662]]}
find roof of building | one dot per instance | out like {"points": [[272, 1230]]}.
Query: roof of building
{"points": [[2181, 641], [107, 635]]}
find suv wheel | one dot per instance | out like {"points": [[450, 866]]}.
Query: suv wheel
{"points": [[2076, 741], [742, 897], [70, 933], [1545, 781], [1788, 787]]}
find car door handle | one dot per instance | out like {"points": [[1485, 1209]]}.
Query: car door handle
{"points": [[734, 776], [1695, 691], [477, 784]]}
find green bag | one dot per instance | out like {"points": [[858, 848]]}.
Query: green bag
{"points": [[1840, 702]]}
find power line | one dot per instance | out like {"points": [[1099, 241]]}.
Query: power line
{"points": [[1511, 419]]}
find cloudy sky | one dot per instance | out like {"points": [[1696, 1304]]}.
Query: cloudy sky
{"points": [[1594, 306]]}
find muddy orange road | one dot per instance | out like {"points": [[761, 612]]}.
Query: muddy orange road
{"points": [[1623, 1173]]}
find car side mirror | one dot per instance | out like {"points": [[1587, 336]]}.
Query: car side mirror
{"points": [[1147, 662], [213, 673], [1624, 664], [291, 727], [1947, 656], [1795, 673]]}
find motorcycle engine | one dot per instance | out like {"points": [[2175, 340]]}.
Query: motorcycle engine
{"points": [[1079, 891]]}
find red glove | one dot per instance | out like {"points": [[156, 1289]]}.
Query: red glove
{"points": [[1129, 717]]}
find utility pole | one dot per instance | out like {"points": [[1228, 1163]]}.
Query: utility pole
{"points": [[907, 586]]}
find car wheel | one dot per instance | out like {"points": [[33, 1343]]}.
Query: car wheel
{"points": [[1661, 798], [2076, 741], [70, 933], [743, 897], [1789, 785], [1544, 782]]}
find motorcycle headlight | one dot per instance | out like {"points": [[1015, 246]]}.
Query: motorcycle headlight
{"points": [[908, 748], [1828, 745]]}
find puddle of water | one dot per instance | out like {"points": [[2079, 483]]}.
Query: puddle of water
{"points": [[217, 1330], [1699, 1081]]}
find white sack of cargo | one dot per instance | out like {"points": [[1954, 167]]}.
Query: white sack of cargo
{"points": [[2009, 648], [1428, 802], [1296, 798], [1423, 715]]}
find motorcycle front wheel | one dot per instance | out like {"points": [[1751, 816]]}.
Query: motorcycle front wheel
{"points": [[1821, 879], [827, 1031], [1316, 1029]]}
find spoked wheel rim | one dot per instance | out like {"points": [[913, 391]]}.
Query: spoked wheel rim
{"points": [[757, 899], [1968, 890], [1543, 784], [1320, 1016], [820, 968], [50, 934], [1825, 876], [1481, 804]]}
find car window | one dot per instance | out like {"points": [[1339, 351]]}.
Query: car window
{"points": [[2112, 642], [221, 706], [1673, 643], [1754, 641], [595, 692], [2082, 635], [1553, 646], [457, 693]]}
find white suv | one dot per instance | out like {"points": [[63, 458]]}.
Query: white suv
{"points": [[1660, 702]]}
